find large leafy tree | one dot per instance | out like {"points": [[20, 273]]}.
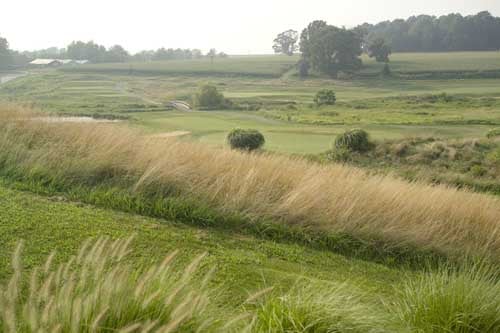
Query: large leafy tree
{"points": [[329, 49], [379, 50], [286, 42]]}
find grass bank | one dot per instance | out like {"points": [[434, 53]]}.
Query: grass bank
{"points": [[290, 192]]}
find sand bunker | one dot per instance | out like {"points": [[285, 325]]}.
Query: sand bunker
{"points": [[173, 134], [74, 120]]}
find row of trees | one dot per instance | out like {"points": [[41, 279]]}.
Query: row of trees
{"points": [[98, 54], [424, 33]]}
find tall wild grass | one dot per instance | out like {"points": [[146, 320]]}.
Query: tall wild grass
{"points": [[98, 291], [465, 300], [290, 191], [313, 308]]}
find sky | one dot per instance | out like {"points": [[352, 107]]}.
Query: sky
{"points": [[231, 26]]}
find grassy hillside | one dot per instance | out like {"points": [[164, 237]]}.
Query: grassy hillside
{"points": [[102, 163], [243, 262], [258, 66], [285, 277], [440, 62], [255, 286], [275, 66]]}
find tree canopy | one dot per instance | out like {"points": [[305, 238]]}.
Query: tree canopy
{"points": [[379, 50], [425, 33], [286, 42], [96, 53], [5, 54], [329, 49]]}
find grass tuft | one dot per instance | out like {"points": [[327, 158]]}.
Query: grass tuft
{"points": [[450, 300], [98, 291], [309, 308]]}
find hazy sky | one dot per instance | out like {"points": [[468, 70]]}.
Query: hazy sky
{"points": [[233, 26]]}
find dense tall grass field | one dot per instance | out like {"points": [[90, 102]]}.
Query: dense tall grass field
{"points": [[289, 191]]}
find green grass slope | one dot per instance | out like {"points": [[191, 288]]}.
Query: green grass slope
{"points": [[243, 263]]}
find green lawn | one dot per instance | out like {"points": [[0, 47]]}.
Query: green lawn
{"points": [[212, 128], [243, 263]]}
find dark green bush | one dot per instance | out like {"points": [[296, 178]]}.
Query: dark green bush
{"points": [[353, 140], [325, 97], [209, 98], [245, 139]]}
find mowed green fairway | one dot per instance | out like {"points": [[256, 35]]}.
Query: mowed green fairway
{"points": [[212, 128]]}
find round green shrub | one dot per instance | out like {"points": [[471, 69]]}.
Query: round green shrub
{"points": [[493, 133], [353, 140], [325, 97], [245, 139], [209, 98]]}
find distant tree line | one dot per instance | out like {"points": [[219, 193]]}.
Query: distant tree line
{"points": [[425, 33], [330, 50], [96, 53], [175, 54]]}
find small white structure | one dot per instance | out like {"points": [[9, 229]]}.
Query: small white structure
{"points": [[57, 62], [46, 62]]}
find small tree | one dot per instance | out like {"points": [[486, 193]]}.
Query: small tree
{"points": [[209, 98], [325, 97], [379, 50], [245, 139], [286, 42], [353, 140]]}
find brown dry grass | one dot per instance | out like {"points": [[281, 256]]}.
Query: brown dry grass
{"points": [[332, 198]]}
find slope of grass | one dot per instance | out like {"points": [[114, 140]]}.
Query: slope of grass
{"points": [[243, 263], [307, 290], [292, 192]]}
